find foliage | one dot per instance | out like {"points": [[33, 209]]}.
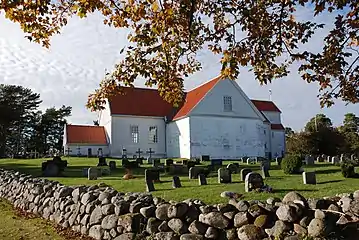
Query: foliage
{"points": [[23, 127], [291, 164], [348, 170], [299, 143], [165, 37]]}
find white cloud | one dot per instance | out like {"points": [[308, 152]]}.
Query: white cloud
{"points": [[74, 65]]}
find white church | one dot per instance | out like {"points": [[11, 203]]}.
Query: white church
{"points": [[216, 119]]}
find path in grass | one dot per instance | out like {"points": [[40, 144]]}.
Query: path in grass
{"points": [[17, 227], [329, 178]]}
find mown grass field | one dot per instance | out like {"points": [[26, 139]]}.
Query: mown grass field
{"points": [[329, 181]]}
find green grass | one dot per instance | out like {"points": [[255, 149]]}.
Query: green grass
{"points": [[13, 226], [329, 179]]}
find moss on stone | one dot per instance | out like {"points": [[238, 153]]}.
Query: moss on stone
{"points": [[261, 221]]}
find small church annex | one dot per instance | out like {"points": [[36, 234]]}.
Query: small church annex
{"points": [[216, 119]]}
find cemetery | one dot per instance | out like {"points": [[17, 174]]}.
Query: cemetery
{"points": [[106, 199]]}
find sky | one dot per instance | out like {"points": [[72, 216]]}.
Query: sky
{"points": [[77, 60]]}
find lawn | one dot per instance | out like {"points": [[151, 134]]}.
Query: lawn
{"points": [[15, 226], [329, 181]]}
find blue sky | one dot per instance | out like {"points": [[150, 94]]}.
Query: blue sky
{"points": [[74, 65]]}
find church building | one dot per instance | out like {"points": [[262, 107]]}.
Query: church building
{"points": [[216, 119]]}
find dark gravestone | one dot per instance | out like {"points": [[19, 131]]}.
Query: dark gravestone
{"points": [[216, 162], [176, 182], [156, 162], [197, 161], [233, 168], [150, 187], [92, 173], [184, 162], [84, 172], [130, 164], [191, 164], [139, 160], [265, 172], [160, 167], [244, 173], [178, 169], [169, 162], [194, 172], [224, 175], [309, 178], [253, 181], [202, 179], [112, 165], [89, 152], [51, 170], [102, 162], [205, 158], [152, 175]]}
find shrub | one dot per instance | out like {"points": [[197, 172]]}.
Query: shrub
{"points": [[291, 164], [348, 170]]}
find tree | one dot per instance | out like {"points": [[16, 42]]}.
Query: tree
{"points": [[351, 123], [300, 143], [16, 106], [350, 132], [166, 35], [318, 123]]}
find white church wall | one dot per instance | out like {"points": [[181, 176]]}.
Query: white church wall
{"points": [[213, 103], [267, 138], [226, 137], [82, 149], [122, 137], [178, 139], [278, 143], [273, 117], [105, 121]]}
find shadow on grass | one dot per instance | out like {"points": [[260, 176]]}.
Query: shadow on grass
{"points": [[295, 190], [332, 181], [327, 171]]}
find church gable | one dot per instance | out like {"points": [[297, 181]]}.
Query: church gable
{"points": [[226, 98]]}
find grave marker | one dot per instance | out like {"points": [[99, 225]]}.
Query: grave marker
{"points": [[253, 181], [195, 171], [329, 159], [224, 175], [139, 152], [102, 162], [152, 174], [150, 187], [78, 151], [233, 168], [205, 158], [335, 160], [309, 178], [176, 182], [124, 154], [85, 172], [216, 162], [244, 173], [92, 173], [169, 162], [68, 151], [309, 160], [112, 165], [265, 172], [202, 179], [156, 162]]}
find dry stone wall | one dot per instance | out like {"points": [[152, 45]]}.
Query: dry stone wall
{"points": [[103, 213]]}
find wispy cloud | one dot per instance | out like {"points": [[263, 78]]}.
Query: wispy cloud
{"points": [[76, 62]]}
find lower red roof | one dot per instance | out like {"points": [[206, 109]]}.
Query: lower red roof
{"points": [[86, 134], [265, 106], [277, 127]]}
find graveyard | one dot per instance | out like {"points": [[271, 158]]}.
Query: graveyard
{"points": [[328, 178]]}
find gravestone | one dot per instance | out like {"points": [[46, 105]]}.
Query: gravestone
{"points": [[130, 164], [149, 160], [92, 173], [205, 158], [155, 162], [124, 154], [176, 182], [335, 160], [195, 171], [342, 158], [251, 160], [244, 173], [51, 170], [139, 160], [197, 161], [89, 152], [191, 164], [102, 162], [352, 157], [278, 160], [329, 159], [265, 172], [160, 167], [224, 175], [169, 162], [319, 159], [253, 181], [233, 168], [139, 152], [99, 152], [152, 175], [150, 187], [177, 169], [216, 162], [309, 160], [265, 163], [309, 178], [202, 179], [112, 165]]}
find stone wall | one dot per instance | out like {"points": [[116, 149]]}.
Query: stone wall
{"points": [[103, 213]]}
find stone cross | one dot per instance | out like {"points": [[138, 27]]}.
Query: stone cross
{"points": [[150, 151], [253, 181], [139, 152], [78, 151], [124, 153], [176, 182], [224, 175], [309, 178], [92, 174], [68, 151], [244, 173], [202, 179]]}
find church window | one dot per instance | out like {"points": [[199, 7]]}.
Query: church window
{"points": [[227, 103], [152, 134], [134, 134]]}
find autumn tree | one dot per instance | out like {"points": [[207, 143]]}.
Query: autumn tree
{"points": [[350, 132], [165, 36]]}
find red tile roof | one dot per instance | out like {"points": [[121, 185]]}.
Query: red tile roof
{"points": [[267, 106], [86, 134], [194, 96], [140, 102], [277, 127]]}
